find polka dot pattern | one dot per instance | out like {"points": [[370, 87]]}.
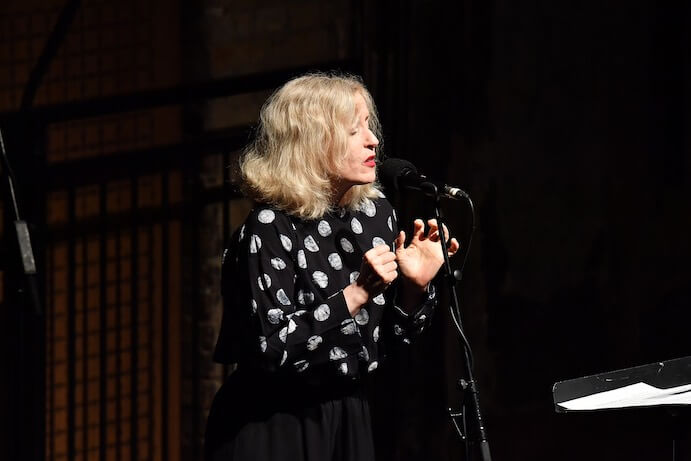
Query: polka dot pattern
{"points": [[313, 342], [255, 243], [368, 208], [301, 365], [364, 354], [348, 327], [275, 316], [310, 244], [336, 353], [292, 273], [356, 226], [266, 216], [362, 317], [376, 241], [302, 260], [320, 278], [286, 242], [305, 297], [346, 245], [335, 261], [282, 297], [286, 330], [324, 228], [322, 313], [278, 264]]}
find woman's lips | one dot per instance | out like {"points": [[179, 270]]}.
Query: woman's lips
{"points": [[370, 162]]}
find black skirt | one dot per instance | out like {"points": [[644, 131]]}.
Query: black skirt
{"points": [[269, 417]]}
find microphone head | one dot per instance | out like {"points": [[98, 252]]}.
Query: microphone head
{"points": [[393, 168]]}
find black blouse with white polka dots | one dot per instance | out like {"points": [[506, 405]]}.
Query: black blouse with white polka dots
{"points": [[283, 281]]}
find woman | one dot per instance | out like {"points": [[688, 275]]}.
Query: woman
{"points": [[307, 312]]}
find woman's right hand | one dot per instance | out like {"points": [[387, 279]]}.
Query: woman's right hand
{"points": [[377, 271]]}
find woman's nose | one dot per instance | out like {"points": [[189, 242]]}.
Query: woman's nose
{"points": [[372, 138]]}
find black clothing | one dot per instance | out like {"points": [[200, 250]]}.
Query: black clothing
{"points": [[253, 417], [287, 326]]}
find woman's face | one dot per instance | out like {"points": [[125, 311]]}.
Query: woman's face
{"points": [[358, 167]]}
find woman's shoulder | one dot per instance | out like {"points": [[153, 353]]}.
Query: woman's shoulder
{"points": [[375, 206], [265, 215], [268, 223]]}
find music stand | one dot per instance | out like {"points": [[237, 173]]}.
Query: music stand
{"points": [[657, 385]]}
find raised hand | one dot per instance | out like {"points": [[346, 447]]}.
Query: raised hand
{"points": [[377, 271], [420, 261]]}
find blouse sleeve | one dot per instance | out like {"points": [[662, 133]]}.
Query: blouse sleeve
{"points": [[404, 325], [288, 334]]}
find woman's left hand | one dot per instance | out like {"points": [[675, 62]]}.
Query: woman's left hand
{"points": [[420, 261]]}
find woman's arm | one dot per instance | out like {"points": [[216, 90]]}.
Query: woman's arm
{"points": [[287, 329]]}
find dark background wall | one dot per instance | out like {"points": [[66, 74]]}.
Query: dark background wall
{"points": [[567, 122]]}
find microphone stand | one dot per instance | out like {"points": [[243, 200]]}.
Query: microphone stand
{"points": [[470, 401], [21, 228]]}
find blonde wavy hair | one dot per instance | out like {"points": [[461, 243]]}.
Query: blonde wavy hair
{"points": [[301, 141]]}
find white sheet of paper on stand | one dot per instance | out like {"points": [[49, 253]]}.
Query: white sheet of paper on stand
{"points": [[634, 395]]}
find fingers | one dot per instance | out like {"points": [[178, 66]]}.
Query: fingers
{"points": [[389, 267], [433, 233], [381, 254], [453, 247], [379, 266], [400, 241], [418, 229], [377, 250]]}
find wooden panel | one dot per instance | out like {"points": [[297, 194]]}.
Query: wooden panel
{"points": [[78, 392]]}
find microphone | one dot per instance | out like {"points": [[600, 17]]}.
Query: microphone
{"points": [[399, 172]]}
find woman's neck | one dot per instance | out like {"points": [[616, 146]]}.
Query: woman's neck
{"points": [[341, 195]]}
